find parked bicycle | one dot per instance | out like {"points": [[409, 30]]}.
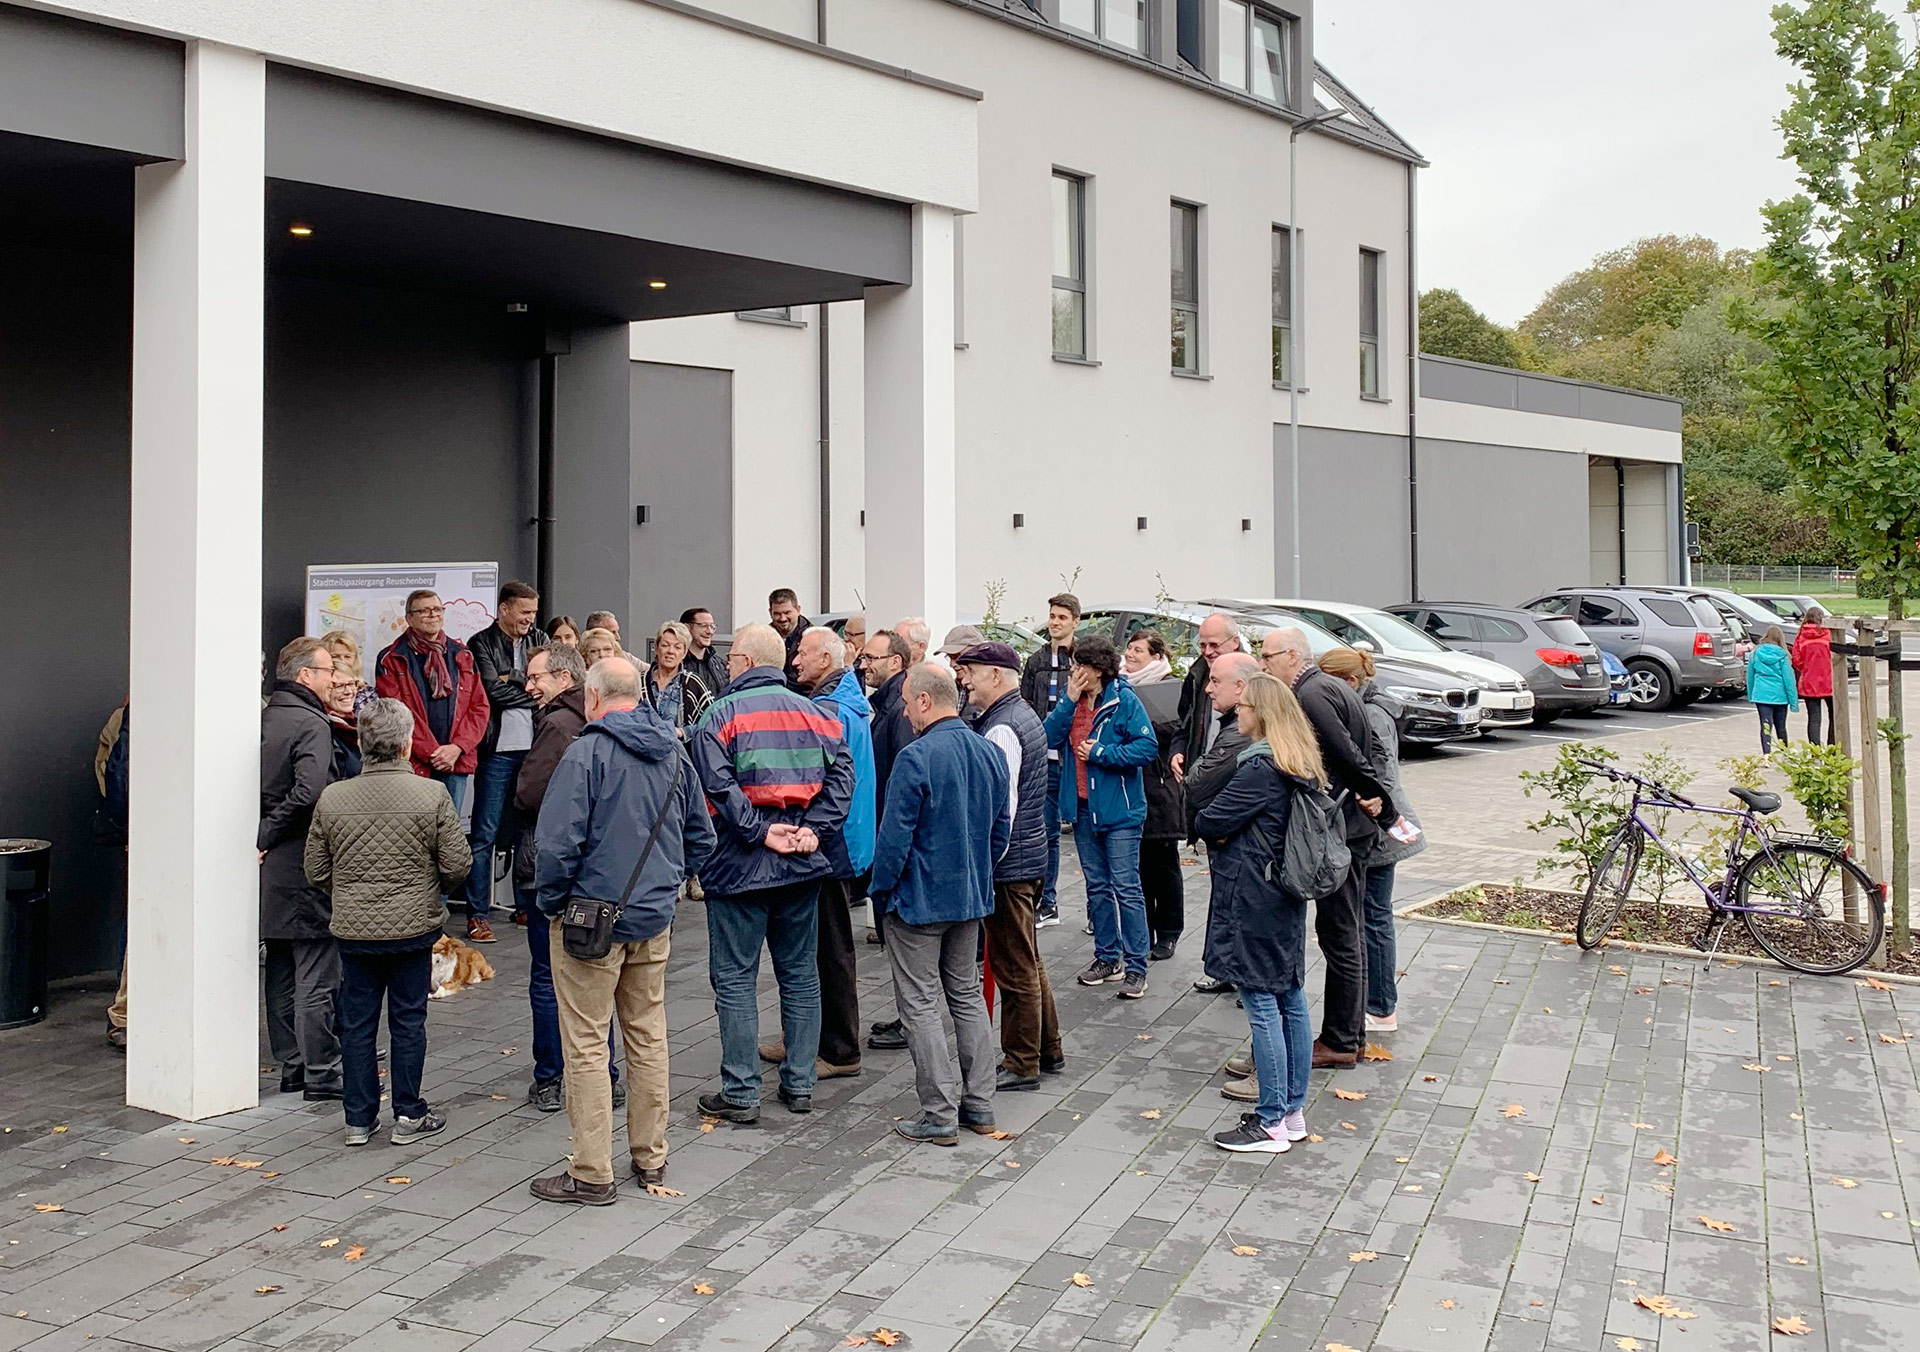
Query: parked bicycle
{"points": [[1805, 902]]}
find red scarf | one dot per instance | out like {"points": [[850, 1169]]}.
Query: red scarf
{"points": [[434, 652]]}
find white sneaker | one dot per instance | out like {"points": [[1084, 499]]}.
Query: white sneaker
{"points": [[1377, 1024], [1295, 1125]]}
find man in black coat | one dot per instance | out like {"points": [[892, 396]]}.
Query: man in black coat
{"points": [[1346, 746], [500, 653], [883, 667], [303, 961], [1218, 636], [1206, 777]]}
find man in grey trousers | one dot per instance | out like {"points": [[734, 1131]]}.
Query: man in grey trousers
{"points": [[946, 823]]}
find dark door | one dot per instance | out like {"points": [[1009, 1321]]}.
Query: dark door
{"points": [[682, 473]]}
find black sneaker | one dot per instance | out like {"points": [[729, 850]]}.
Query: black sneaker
{"points": [[1058, 1066], [545, 1097], [1208, 985], [796, 1103], [1253, 1138], [1099, 972], [1005, 1081], [720, 1106], [1161, 951], [407, 1129], [619, 1093], [888, 1037], [1133, 986], [1046, 919]]}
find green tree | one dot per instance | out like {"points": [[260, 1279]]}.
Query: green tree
{"points": [[1450, 327], [1841, 318]]}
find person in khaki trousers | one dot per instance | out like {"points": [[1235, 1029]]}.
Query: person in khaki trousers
{"points": [[623, 817]]}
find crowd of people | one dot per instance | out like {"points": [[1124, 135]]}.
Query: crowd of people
{"points": [[784, 782]]}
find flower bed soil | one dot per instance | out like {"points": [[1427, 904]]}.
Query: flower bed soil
{"points": [[1555, 912]]}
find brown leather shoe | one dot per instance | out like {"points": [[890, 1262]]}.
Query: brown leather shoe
{"points": [[650, 1177], [775, 1052], [826, 1070], [479, 930], [1241, 1091], [567, 1188], [1326, 1058], [1240, 1067]]}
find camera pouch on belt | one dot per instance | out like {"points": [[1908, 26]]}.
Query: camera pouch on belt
{"points": [[586, 926]]}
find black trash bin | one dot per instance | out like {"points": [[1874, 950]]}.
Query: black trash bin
{"points": [[27, 864]]}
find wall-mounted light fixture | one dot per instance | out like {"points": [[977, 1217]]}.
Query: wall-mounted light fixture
{"points": [[641, 514], [1019, 520], [300, 230], [656, 285], [1246, 523], [1139, 523]]}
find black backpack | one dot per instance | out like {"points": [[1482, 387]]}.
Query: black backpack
{"points": [[1317, 856]]}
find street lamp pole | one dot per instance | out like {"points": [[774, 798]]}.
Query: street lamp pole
{"points": [[1294, 311]]}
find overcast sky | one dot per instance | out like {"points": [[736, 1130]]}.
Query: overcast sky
{"points": [[1559, 129]]}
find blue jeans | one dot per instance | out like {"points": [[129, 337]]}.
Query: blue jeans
{"points": [[548, 1060], [403, 979], [1377, 918], [492, 812], [1282, 1050], [786, 920], [1048, 901], [1110, 861], [456, 788]]}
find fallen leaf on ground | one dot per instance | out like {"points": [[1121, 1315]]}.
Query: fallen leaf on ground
{"points": [[1245, 1250], [1618, 971], [1411, 1187], [1664, 1187], [328, 1243], [48, 1206], [1724, 1227], [1143, 1037], [189, 1140], [278, 1228], [1776, 983], [1793, 1326], [1641, 1126], [854, 1340], [1846, 1182], [1890, 1038], [1362, 1256], [508, 1051], [498, 1098], [355, 1253], [1081, 1279], [1532, 1178], [885, 1337], [1600, 1200], [1373, 1051], [1341, 1347], [1795, 1116], [1755, 1065], [1886, 1215], [1349, 1095], [709, 1123], [264, 1290], [248, 1164], [400, 1178], [1663, 1306], [1315, 1137], [1151, 1114], [1872, 983], [1567, 939], [1429, 1079], [1665, 1157], [269, 1173], [1513, 1110], [1628, 1344], [1643, 990], [1013, 1164], [1798, 1262], [1348, 1126], [662, 1190], [1546, 1009], [224, 1161], [999, 1136], [702, 1289], [1447, 1304], [1403, 1159], [62, 1131]]}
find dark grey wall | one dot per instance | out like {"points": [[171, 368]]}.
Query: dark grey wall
{"points": [[683, 471], [86, 83], [1498, 523], [593, 411], [1353, 523], [399, 429], [1468, 382], [65, 396]]}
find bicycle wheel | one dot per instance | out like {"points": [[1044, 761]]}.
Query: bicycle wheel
{"points": [[1798, 908], [1607, 893]]}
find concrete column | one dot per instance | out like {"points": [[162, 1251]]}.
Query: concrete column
{"points": [[911, 566], [193, 880]]}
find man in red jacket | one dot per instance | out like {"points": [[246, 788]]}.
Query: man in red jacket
{"points": [[435, 677]]}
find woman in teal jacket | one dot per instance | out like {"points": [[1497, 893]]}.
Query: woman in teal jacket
{"points": [[1771, 687], [1106, 739]]}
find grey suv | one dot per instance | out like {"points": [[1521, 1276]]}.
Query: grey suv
{"points": [[1674, 644]]}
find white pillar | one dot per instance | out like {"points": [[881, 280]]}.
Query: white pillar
{"points": [[911, 565], [193, 883]]}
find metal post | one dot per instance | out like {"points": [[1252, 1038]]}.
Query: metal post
{"points": [[1295, 313], [1843, 727], [1870, 818]]}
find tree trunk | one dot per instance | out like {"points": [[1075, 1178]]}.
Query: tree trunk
{"points": [[1901, 940]]}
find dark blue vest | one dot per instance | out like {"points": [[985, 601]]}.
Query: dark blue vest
{"points": [[1026, 856]]}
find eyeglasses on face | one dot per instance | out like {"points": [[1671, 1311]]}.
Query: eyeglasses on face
{"points": [[428, 610]]}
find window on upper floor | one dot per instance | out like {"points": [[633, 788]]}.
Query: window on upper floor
{"points": [[1282, 305], [1370, 322], [1069, 265], [1121, 22], [1186, 287], [1253, 50]]}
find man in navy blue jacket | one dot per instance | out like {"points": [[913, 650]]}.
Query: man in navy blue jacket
{"points": [[625, 771], [945, 825]]}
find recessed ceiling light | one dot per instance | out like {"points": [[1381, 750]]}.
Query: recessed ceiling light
{"points": [[657, 285], [300, 229]]}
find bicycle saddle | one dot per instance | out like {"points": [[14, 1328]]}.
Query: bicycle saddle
{"points": [[1758, 799]]}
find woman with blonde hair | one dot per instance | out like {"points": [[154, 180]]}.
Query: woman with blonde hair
{"points": [[1256, 932], [1387, 848], [346, 668], [598, 644], [672, 688]]}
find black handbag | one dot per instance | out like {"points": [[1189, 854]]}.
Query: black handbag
{"points": [[586, 927]]}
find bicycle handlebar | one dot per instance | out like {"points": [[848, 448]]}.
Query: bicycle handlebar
{"points": [[1628, 777]]}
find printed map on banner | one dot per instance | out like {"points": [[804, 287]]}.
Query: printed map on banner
{"points": [[369, 600]]}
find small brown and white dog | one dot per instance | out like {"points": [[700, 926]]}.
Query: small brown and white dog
{"points": [[456, 965]]}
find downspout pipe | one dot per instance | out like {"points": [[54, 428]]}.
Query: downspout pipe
{"points": [[1413, 389], [544, 510], [825, 430], [1620, 512]]}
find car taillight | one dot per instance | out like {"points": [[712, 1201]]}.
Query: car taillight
{"points": [[1703, 644], [1558, 657]]}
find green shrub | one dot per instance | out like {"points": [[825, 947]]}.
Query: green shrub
{"points": [[1819, 778], [1585, 809]]}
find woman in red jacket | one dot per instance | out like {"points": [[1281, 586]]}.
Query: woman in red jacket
{"points": [[1813, 669]]}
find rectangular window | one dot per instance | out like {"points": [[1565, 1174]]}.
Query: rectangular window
{"points": [[1370, 322], [1186, 287], [1121, 22], [1253, 51], [1069, 265], [1282, 303], [781, 313]]}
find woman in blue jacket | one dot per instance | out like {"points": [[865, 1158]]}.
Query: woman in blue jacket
{"points": [[1771, 687], [1105, 797]]}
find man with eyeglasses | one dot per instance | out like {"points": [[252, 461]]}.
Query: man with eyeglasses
{"points": [[435, 676], [1219, 635], [702, 661]]}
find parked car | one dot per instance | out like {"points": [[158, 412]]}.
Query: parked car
{"points": [[1674, 643], [1617, 692], [1435, 705], [1746, 622], [1787, 607], [1559, 663], [1505, 698]]}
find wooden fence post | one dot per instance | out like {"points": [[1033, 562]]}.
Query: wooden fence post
{"points": [[1843, 728]]}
